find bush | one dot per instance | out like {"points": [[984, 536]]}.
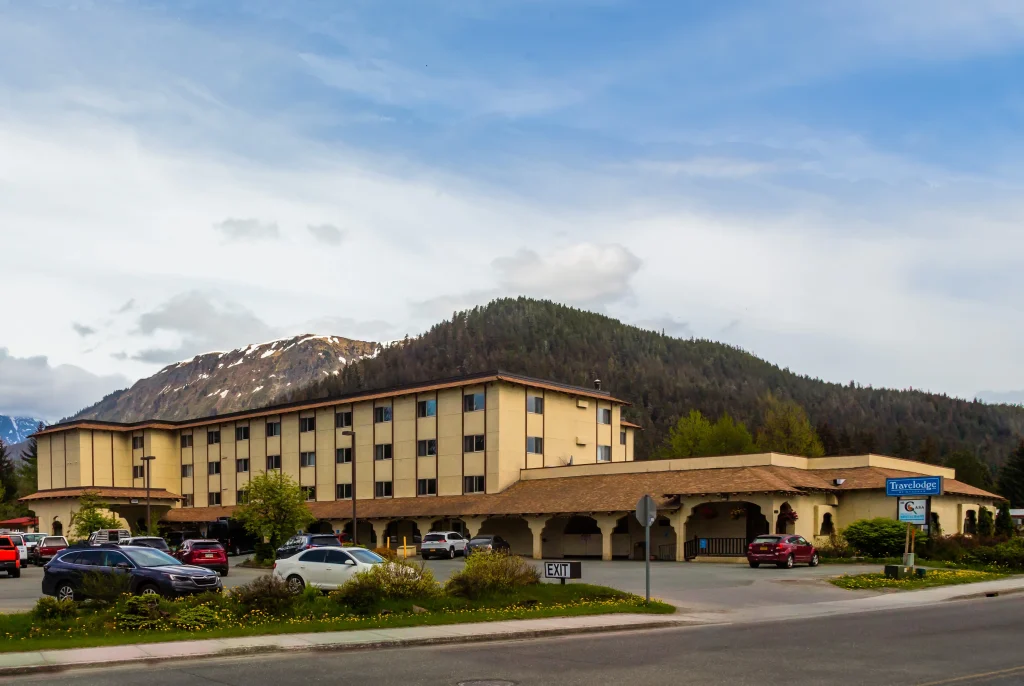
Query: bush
{"points": [[1009, 554], [264, 552], [487, 573], [50, 609], [197, 618], [986, 523], [836, 548], [140, 613], [881, 537], [268, 594], [387, 553], [388, 581], [105, 589]]}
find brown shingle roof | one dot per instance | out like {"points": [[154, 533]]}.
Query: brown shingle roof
{"points": [[874, 477], [103, 492], [630, 425]]}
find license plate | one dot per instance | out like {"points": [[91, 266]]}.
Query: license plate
{"points": [[764, 549], [208, 556]]}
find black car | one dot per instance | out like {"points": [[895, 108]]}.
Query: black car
{"points": [[304, 542], [150, 571], [488, 542]]}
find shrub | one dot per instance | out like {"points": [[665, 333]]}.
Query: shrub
{"points": [[881, 537], [386, 553], [266, 593], [487, 573], [50, 609], [264, 552], [105, 589], [388, 581], [140, 613], [986, 524], [1009, 554], [837, 547], [1004, 522], [197, 618]]}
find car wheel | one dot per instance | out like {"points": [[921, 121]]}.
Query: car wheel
{"points": [[755, 565], [814, 560], [15, 573], [224, 572], [296, 584], [65, 591], [148, 589], [789, 562], [237, 550], [451, 553]]}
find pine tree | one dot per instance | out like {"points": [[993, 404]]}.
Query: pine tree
{"points": [[8, 477], [902, 448], [1011, 477], [986, 525], [928, 451], [1004, 522], [970, 470], [829, 440], [28, 470]]}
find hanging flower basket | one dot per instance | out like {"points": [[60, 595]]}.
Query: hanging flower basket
{"points": [[788, 516], [738, 512], [707, 512]]}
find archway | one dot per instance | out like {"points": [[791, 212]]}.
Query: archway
{"points": [[971, 523], [827, 527], [322, 527], [628, 539], [57, 528], [399, 530], [786, 521], [515, 530], [571, 536]]}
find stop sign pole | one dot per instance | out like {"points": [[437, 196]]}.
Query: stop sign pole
{"points": [[646, 512]]}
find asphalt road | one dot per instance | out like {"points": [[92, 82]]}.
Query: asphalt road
{"points": [[959, 642]]}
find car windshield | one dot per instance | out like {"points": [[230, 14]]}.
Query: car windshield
{"points": [[34, 538], [323, 540], [433, 538], [766, 539], [17, 540], [365, 556], [207, 545], [482, 539], [150, 558], [50, 541]]}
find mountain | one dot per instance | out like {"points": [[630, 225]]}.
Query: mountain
{"points": [[219, 382], [666, 377], [17, 429]]}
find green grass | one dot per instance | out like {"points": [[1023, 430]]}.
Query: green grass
{"points": [[943, 577], [21, 632], [930, 564]]}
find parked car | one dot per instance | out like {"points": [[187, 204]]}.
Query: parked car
{"points": [[782, 550], [209, 554], [108, 536], [48, 548], [305, 542], [326, 567], [488, 542], [148, 541], [10, 558], [443, 544], [149, 570], [176, 538], [32, 541], [19, 542], [232, 535]]}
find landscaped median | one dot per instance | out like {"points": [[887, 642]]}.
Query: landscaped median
{"points": [[932, 578]]}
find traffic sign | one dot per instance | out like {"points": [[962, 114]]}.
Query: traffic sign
{"points": [[563, 570], [916, 485], [646, 510]]}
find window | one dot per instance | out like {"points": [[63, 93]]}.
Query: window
{"points": [[186, 471], [307, 424], [242, 496], [242, 465], [473, 484], [307, 459], [622, 438], [426, 408], [534, 445], [473, 444], [535, 404], [214, 468], [382, 451], [214, 498], [187, 500], [314, 555], [343, 420], [426, 487], [343, 456], [138, 442], [273, 461], [241, 433], [426, 448], [273, 429], [604, 416], [212, 437], [381, 415], [472, 402], [382, 489], [139, 472], [337, 557], [309, 493], [604, 453], [186, 440], [343, 492]]}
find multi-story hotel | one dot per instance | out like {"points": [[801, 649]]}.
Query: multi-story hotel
{"points": [[548, 466]]}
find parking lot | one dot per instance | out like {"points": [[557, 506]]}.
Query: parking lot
{"points": [[695, 586]]}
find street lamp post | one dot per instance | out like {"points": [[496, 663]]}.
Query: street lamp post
{"points": [[355, 535], [149, 517]]}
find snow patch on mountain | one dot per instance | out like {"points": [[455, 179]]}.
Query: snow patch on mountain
{"points": [[17, 429]]}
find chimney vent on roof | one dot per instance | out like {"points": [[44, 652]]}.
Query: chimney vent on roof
{"points": [[839, 482], [597, 384]]}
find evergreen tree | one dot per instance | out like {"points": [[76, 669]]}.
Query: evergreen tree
{"points": [[829, 440], [986, 525], [928, 451], [902, 448], [8, 475], [1004, 522], [970, 470], [1011, 477], [28, 470], [786, 429]]}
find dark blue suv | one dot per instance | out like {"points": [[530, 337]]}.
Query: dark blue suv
{"points": [[150, 571]]}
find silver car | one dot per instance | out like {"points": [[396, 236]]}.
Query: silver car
{"points": [[443, 544]]}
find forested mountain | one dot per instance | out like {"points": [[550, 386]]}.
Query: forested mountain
{"points": [[665, 378]]}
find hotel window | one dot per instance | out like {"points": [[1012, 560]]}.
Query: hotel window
{"points": [[212, 437], [307, 424], [534, 445], [426, 487], [187, 500], [474, 444], [426, 408], [242, 465], [535, 404], [343, 492], [186, 441], [382, 451], [186, 471], [213, 498], [213, 467], [472, 402], [343, 420], [382, 489], [309, 493], [242, 496], [273, 429], [622, 438], [138, 442], [604, 453], [241, 433], [139, 472], [426, 448], [604, 416], [381, 415], [473, 484], [343, 456], [307, 459], [273, 461]]}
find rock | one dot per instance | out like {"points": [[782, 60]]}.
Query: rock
{"points": [[417, 610]]}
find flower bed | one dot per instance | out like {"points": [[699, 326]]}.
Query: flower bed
{"points": [[938, 577]]}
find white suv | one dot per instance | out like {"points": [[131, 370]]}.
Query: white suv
{"points": [[443, 544]]}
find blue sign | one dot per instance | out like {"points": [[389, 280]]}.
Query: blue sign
{"points": [[915, 485], [703, 544]]}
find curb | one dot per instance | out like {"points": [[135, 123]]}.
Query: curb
{"points": [[345, 647]]}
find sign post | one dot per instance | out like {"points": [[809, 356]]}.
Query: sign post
{"points": [[913, 505], [563, 570], [646, 513]]}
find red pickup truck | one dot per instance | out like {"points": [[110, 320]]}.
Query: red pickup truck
{"points": [[10, 558]]}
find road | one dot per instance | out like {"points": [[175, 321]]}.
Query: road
{"points": [[936, 645]]}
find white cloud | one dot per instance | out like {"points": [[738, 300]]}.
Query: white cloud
{"points": [[585, 273], [328, 234], [247, 229], [32, 387]]}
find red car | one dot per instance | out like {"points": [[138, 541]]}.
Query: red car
{"points": [[204, 553], [782, 550], [47, 548]]}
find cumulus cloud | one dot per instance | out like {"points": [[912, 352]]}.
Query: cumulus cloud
{"points": [[32, 387], [328, 234], [585, 273], [82, 330], [130, 305], [672, 326], [247, 229], [373, 330]]}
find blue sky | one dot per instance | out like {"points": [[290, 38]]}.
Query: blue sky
{"points": [[835, 187]]}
